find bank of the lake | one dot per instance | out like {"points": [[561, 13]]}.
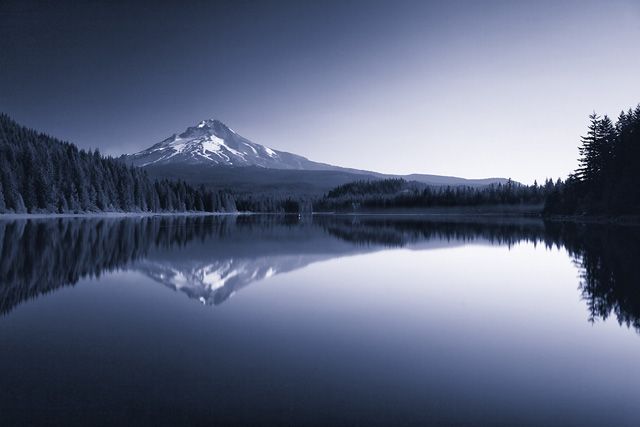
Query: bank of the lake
{"points": [[12, 216]]}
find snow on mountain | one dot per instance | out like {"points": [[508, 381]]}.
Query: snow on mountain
{"points": [[212, 142], [214, 282]]}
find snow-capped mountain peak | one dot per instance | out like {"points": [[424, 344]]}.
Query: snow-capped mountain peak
{"points": [[212, 142]]}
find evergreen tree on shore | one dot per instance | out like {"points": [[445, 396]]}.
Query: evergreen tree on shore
{"points": [[607, 179], [40, 174]]}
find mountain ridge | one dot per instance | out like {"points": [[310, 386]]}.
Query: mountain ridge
{"points": [[213, 142], [211, 149]]}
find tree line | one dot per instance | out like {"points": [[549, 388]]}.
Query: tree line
{"points": [[41, 174], [275, 203], [397, 193], [606, 180]]}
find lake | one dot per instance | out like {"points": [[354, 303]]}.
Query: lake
{"points": [[324, 320]]}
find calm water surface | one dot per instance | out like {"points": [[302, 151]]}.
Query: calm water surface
{"points": [[318, 321]]}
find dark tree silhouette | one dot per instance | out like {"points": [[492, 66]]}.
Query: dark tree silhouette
{"points": [[400, 194], [606, 180]]}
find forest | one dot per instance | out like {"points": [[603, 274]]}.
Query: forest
{"points": [[41, 174], [606, 181], [402, 194]]}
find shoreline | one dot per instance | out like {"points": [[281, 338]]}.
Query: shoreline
{"points": [[625, 220], [13, 216]]}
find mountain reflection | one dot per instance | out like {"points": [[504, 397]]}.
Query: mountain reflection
{"points": [[209, 258]]}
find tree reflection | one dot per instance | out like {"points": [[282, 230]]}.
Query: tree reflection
{"points": [[209, 258], [39, 256], [610, 276]]}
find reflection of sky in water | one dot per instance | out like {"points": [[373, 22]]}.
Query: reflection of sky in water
{"points": [[470, 333]]}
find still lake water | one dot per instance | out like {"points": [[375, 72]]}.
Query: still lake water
{"points": [[318, 321]]}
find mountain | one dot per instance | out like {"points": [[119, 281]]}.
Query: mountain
{"points": [[215, 155], [213, 282], [211, 142]]}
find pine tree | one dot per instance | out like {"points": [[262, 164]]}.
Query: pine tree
{"points": [[588, 166]]}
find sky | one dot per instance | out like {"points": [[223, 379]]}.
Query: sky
{"points": [[472, 89]]}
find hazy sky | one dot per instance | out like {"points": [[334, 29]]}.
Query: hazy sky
{"points": [[473, 89]]}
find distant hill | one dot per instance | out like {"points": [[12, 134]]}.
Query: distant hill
{"points": [[252, 179], [449, 180], [213, 154]]}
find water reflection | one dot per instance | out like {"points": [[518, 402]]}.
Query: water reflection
{"points": [[610, 276], [210, 258]]}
